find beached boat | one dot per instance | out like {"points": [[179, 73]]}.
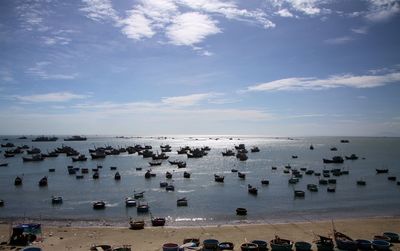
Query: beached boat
{"points": [[363, 244], [210, 244], [302, 246], [136, 225], [324, 243], [278, 244], [380, 245], [344, 242], [394, 237], [226, 246], [158, 222], [262, 245], [311, 147], [249, 246]]}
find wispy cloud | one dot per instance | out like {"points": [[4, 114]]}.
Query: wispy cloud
{"points": [[382, 10], [189, 100], [336, 81], [360, 30], [50, 97], [32, 14], [40, 70], [6, 75], [305, 7], [100, 10], [284, 13], [339, 40]]}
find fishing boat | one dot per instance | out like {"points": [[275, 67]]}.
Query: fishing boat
{"points": [[392, 178], [381, 170], [324, 243], [394, 237], [136, 225], [76, 138], [334, 160], [344, 242], [186, 175], [181, 164], [147, 175], [36, 157], [142, 208], [3, 164], [299, 194], [168, 175], [170, 187], [228, 152], [130, 202], [44, 139], [138, 195], [241, 211], [264, 182], [278, 244], [241, 175], [158, 222], [219, 178], [252, 190], [262, 245], [56, 200], [361, 182], [380, 245], [18, 181], [249, 246], [255, 149], [117, 176], [226, 246], [43, 181], [351, 157], [81, 157], [96, 175], [163, 184], [363, 244], [182, 202], [99, 205], [155, 163], [331, 189], [302, 246]]}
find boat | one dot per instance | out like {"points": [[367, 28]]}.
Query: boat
{"points": [[323, 182], [333, 149], [130, 202], [331, 189], [8, 145], [81, 157], [302, 246], [182, 165], [147, 175], [18, 181], [255, 149], [43, 181], [361, 182], [170, 187], [210, 244], [98, 155], [312, 187], [37, 157], [249, 247], [103, 247], [252, 190], [96, 175], [262, 245], [381, 245], [324, 243], [52, 170], [3, 164], [219, 178], [363, 244], [344, 242], [394, 237], [44, 139], [117, 176], [382, 238], [186, 175], [136, 225], [392, 178], [299, 194], [155, 163], [1, 203], [76, 138], [158, 222], [56, 200], [226, 246], [228, 152], [79, 177], [264, 182], [294, 156], [334, 160], [242, 156], [138, 195], [382, 170], [351, 157], [311, 147], [182, 202], [195, 241], [241, 211], [241, 175], [163, 184], [234, 170], [344, 141], [278, 244], [142, 208], [99, 205], [168, 175]]}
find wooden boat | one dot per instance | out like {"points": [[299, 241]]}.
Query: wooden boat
{"points": [[37, 157], [155, 163], [392, 178], [361, 182], [381, 245], [241, 175], [279, 244], [299, 194], [182, 202], [265, 182], [302, 246], [255, 149], [43, 181], [394, 237], [78, 177], [344, 242], [56, 200], [52, 170], [351, 157], [234, 170], [252, 190], [323, 182], [130, 202], [210, 244], [186, 175], [76, 138], [324, 243], [168, 175], [170, 187], [99, 205], [18, 181], [195, 241], [44, 139], [138, 195], [363, 244], [312, 187], [142, 208], [334, 160], [333, 149], [331, 189], [381, 170], [147, 175], [262, 245], [241, 211], [228, 153], [311, 147], [1, 203], [85, 170], [117, 176], [182, 165], [382, 238], [225, 246], [163, 184], [158, 222], [219, 178], [136, 225], [4, 164], [96, 175]]}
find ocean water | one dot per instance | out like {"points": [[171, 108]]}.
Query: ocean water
{"points": [[209, 202]]}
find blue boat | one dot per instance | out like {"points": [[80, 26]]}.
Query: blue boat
{"points": [[344, 242], [364, 244], [380, 245]]}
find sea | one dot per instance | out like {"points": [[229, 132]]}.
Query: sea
{"points": [[209, 202]]}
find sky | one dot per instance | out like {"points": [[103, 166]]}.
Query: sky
{"points": [[155, 67]]}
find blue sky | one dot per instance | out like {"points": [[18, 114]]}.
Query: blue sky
{"points": [[266, 67]]}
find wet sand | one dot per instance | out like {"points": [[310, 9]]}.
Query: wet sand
{"points": [[151, 239]]}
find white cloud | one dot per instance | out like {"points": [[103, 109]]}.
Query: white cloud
{"points": [[191, 28], [382, 10], [336, 81], [339, 40], [188, 100], [31, 15], [360, 30], [40, 70], [137, 26], [50, 97], [306, 7], [100, 10], [284, 13]]}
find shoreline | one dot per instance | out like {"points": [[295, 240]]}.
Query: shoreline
{"points": [[152, 238]]}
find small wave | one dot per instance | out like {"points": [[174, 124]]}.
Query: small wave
{"points": [[185, 191], [112, 204], [190, 219]]}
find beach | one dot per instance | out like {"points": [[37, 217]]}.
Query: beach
{"points": [[59, 237]]}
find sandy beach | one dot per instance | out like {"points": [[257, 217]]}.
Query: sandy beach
{"points": [[149, 239]]}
